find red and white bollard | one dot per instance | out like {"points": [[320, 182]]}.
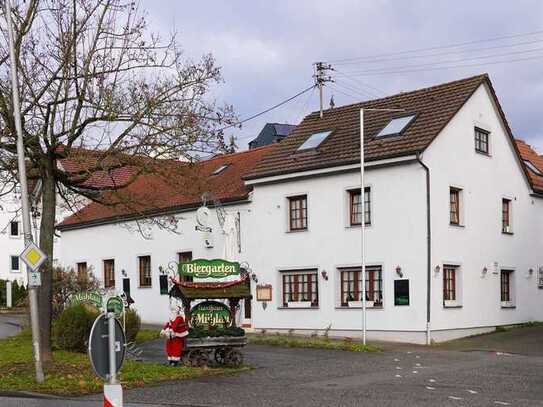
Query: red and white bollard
{"points": [[113, 395]]}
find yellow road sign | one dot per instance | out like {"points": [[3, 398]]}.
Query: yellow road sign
{"points": [[33, 257]]}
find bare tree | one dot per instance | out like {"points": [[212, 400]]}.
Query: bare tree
{"points": [[100, 93]]}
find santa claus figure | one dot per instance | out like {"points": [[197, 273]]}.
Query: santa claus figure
{"points": [[175, 332]]}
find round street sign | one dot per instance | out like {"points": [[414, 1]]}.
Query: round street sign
{"points": [[99, 346]]}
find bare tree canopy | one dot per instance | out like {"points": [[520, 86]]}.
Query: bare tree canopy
{"points": [[94, 79]]}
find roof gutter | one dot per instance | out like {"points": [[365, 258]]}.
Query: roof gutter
{"points": [[428, 252]]}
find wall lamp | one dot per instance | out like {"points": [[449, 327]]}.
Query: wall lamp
{"points": [[437, 269], [324, 275], [399, 271], [485, 270]]}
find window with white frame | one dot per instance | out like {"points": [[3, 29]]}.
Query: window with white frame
{"points": [[506, 216], [451, 285], [297, 213], [455, 202], [540, 277], [355, 207], [144, 266], [300, 288], [14, 229], [14, 264], [506, 288], [351, 286]]}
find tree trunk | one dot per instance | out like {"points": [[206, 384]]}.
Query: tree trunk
{"points": [[47, 232]]}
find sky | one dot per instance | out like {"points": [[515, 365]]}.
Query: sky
{"points": [[267, 49]]}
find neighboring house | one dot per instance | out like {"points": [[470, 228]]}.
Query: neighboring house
{"points": [[450, 205], [271, 133], [128, 253], [476, 246]]}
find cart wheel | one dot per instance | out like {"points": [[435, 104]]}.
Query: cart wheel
{"points": [[220, 355], [233, 358], [197, 358]]}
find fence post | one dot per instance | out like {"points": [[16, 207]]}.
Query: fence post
{"points": [[8, 294]]}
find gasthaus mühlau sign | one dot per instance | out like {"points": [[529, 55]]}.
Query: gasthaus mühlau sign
{"points": [[216, 268]]}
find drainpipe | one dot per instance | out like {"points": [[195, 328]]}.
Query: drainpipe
{"points": [[428, 251]]}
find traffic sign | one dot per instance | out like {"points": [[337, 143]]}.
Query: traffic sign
{"points": [[33, 256], [99, 346], [34, 279]]}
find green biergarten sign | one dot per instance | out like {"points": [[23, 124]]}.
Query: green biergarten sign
{"points": [[202, 268], [114, 304], [210, 313], [87, 297]]}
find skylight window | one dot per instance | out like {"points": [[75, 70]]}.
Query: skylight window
{"points": [[220, 169], [533, 168], [396, 126], [314, 140]]}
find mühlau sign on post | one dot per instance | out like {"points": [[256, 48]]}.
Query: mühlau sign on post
{"points": [[202, 268]]}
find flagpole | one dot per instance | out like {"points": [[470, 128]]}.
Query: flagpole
{"points": [[362, 226]]}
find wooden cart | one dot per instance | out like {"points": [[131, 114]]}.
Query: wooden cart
{"points": [[222, 350]]}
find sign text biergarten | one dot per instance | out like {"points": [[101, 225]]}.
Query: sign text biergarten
{"points": [[216, 268]]}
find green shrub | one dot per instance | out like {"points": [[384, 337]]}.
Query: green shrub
{"points": [[72, 327], [132, 325]]}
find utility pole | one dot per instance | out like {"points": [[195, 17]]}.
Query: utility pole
{"points": [[27, 231], [321, 76]]}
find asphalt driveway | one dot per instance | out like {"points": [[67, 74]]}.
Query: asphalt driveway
{"points": [[455, 374]]}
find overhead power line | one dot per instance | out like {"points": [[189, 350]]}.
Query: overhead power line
{"points": [[239, 123], [455, 45], [384, 72], [449, 61], [428, 56]]}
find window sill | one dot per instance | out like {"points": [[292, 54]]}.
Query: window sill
{"points": [[343, 307], [145, 286], [452, 304], [297, 230], [507, 233], [367, 225], [306, 308], [483, 154], [508, 305], [455, 225]]}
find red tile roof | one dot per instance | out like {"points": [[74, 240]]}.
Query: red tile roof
{"points": [[434, 107], [171, 186], [529, 154]]}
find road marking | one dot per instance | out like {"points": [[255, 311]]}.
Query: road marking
{"points": [[430, 388], [471, 391], [398, 368], [398, 375], [502, 403], [417, 364], [414, 371], [409, 352], [503, 354], [455, 398], [418, 357], [396, 360], [432, 380]]}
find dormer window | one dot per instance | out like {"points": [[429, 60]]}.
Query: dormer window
{"points": [[220, 169], [396, 126], [530, 165], [315, 140]]}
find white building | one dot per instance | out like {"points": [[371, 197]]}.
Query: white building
{"points": [[451, 205]]}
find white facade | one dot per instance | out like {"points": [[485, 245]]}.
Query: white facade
{"points": [[11, 243], [397, 237], [396, 241], [124, 244]]}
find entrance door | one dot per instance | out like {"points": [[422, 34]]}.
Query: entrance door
{"points": [[246, 311]]}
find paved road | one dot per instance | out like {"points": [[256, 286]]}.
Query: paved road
{"points": [[9, 324], [402, 376]]}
